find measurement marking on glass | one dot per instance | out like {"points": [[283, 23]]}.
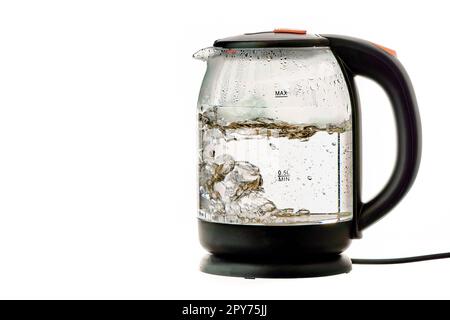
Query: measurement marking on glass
{"points": [[283, 175], [339, 170]]}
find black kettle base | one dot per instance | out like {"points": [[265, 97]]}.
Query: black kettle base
{"points": [[251, 269]]}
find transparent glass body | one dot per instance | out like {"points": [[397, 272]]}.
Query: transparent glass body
{"points": [[275, 139]]}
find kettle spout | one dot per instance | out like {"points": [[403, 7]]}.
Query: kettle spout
{"points": [[205, 54]]}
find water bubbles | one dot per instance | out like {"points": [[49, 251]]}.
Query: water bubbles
{"points": [[272, 146], [283, 63], [242, 156], [302, 212]]}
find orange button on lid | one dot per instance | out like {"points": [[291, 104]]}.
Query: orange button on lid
{"points": [[294, 31]]}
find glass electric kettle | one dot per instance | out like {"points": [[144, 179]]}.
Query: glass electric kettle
{"points": [[279, 151]]}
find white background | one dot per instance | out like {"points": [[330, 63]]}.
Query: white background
{"points": [[98, 147]]}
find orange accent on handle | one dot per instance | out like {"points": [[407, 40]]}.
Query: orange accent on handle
{"points": [[294, 31], [389, 51]]}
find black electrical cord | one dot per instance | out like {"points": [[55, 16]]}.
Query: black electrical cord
{"points": [[403, 260]]}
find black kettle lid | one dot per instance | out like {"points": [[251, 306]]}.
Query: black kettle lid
{"points": [[278, 38]]}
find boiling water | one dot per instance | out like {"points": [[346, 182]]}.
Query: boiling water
{"points": [[267, 171]]}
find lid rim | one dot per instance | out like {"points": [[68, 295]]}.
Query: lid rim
{"points": [[272, 40]]}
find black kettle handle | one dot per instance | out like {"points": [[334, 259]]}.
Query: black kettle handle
{"points": [[369, 60]]}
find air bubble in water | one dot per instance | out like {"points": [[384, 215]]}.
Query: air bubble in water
{"points": [[302, 212]]}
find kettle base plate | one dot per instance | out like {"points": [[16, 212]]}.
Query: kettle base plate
{"points": [[250, 269]]}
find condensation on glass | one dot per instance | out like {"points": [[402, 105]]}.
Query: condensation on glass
{"points": [[275, 139]]}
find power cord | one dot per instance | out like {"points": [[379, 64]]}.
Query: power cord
{"points": [[403, 260]]}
